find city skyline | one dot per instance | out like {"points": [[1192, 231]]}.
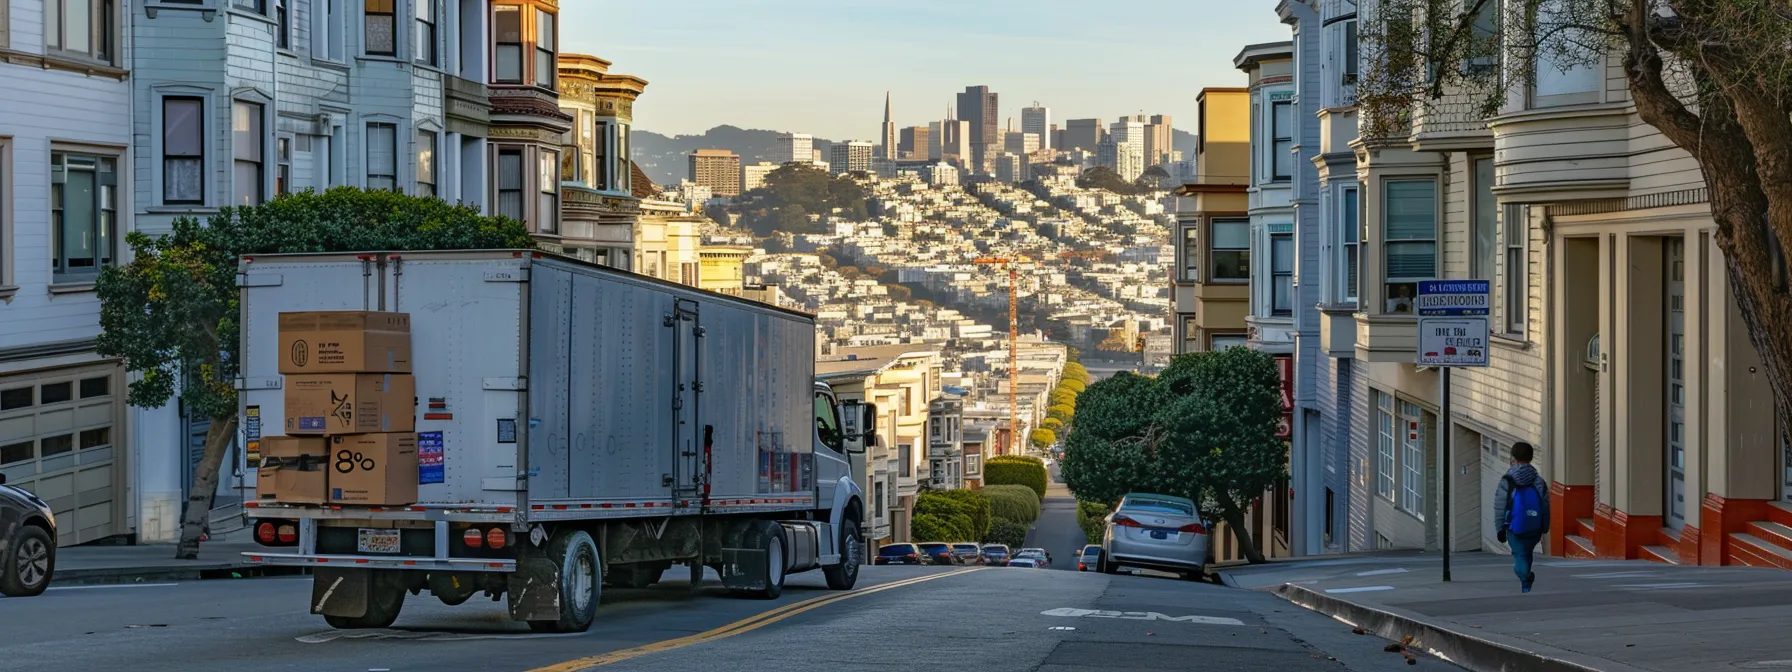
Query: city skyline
{"points": [[711, 67]]}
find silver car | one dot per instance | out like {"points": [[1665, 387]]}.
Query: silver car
{"points": [[1160, 532]]}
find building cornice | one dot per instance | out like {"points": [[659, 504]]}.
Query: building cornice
{"points": [[64, 64]]}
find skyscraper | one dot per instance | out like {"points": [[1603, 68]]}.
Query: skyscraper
{"points": [[1128, 138], [753, 177], [1038, 121], [1018, 142], [850, 156], [796, 148], [936, 136], [915, 143], [718, 169], [1082, 134], [979, 106], [889, 132], [1159, 140]]}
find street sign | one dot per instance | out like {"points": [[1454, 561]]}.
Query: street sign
{"points": [[1453, 298], [1453, 322]]}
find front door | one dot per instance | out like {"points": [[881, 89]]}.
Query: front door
{"points": [[690, 437], [1675, 487]]}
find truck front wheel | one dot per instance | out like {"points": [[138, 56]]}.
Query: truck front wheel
{"points": [[845, 574], [581, 582]]}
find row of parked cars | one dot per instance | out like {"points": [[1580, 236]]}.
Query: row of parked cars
{"points": [[964, 553]]}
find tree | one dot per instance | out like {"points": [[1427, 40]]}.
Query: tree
{"points": [[1075, 371], [1053, 424], [1710, 75], [1062, 412], [1062, 396], [793, 218], [1103, 177], [1043, 437], [1076, 386], [170, 314], [1205, 429]]}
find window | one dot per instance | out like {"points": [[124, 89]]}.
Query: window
{"points": [[18, 397], [56, 393], [1191, 253], [545, 62], [878, 499], [5, 31], [1231, 243], [1409, 240], [382, 156], [625, 177], [426, 163], [1223, 341], [97, 386], [282, 166], [907, 451], [326, 29], [1190, 334], [1517, 269], [1484, 36], [247, 153], [1412, 460], [83, 213], [1350, 53], [1384, 447], [1281, 271], [380, 28], [425, 46], [548, 183], [1281, 147], [973, 465], [5, 215], [1350, 248], [257, 6], [1562, 75], [183, 151], [282, 25], [826, 425], [510, 183], [601, 162], [507, 30], [80, 28], [1486, 222]]}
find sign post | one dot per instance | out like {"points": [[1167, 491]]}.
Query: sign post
{"points": [[1452, 333]]}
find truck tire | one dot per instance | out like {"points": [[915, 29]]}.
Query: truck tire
{"points": [[845, 574], [581, 582], [33, 561], [452, 589], [385, 598], [768, 536]]}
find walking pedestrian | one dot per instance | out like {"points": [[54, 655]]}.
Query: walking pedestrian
{"points": [[1521, 508]]}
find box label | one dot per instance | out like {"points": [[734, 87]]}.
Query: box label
{"points": [[430, 459], [311, 423]]}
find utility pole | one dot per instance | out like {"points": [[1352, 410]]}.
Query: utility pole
{"points": [[1013, 345]]}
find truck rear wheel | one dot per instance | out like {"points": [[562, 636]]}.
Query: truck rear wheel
{"points": [[845, 574], [385, 598], [581, 582], [768, 537]]}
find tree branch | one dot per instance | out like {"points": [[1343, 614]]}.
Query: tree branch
{"points": [[1655, 102]]}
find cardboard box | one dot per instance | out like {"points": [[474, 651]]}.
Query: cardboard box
{"points": [[293, 469], [345, 341], [350, 403], [374, 469]]}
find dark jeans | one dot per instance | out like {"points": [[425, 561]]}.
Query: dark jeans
{"points": [[1523, 547]]}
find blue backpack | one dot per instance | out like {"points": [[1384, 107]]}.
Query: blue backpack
{"points": [[1524, 510]]}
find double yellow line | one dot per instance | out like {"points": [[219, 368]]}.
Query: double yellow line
{"points": [[747, 624]]}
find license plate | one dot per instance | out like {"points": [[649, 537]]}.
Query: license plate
{"points": [[376, 541], [1160, 534]]}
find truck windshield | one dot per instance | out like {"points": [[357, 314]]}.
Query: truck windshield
{"points": [[826, 425]]}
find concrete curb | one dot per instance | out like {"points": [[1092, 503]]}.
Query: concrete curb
{"points": [[199, 570], [1479, 652]]}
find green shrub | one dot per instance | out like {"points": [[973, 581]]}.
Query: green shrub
{"points": [[924, 528], [1016, 470], [973, 503], [1013, 502], [1009, 532], [1091, 516]]}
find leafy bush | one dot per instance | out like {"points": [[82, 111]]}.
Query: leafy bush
{"points": [[1091, 516], [950, 528], [1062, 412], [1076, 386], [1052, 424], [1043, 437], [1016, 470], [972, 503], [1012, 502], [1009, 532]]}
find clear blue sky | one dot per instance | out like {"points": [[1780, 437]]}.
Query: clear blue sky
{"points": [[822, 66]]}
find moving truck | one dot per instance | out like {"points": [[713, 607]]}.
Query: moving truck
{"points": [[577, 426]]}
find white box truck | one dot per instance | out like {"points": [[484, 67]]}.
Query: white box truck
{"points": [[577, 426]]}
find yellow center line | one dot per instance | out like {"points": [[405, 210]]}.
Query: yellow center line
{"points": [[747, 624]]}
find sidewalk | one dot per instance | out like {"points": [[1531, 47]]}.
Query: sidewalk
{"points": [[1619, 616], [91, 565]]}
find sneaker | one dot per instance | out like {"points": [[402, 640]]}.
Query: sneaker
{"points": [[1525, 586]]}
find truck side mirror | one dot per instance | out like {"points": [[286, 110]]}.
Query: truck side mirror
{"points": [[868, 423], [858, 422]]}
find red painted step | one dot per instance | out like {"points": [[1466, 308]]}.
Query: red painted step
{"points": [[1773, 533], [1582, 527], [1659, 554], [1750, 550], [1580, 547], [1668, 537], [1780, 512]]}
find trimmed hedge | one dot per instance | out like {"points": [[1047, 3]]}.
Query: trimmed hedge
{"points": [[971, 503], [949, 528], [1010, 533], [1012, 502], [1091, 516], [1016, 470]]}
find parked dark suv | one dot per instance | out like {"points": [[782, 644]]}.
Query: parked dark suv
{"points": [[27, 542]]}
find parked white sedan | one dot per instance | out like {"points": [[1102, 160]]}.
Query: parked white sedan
{"points": [[1161, 532]]}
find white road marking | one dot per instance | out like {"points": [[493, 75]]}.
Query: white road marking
{"points": [[115, 585], [1615, 575], [333, 635], [1660, 586], [1360, 589], [1589, 563], [1139, 616], [1061, 627], [1379, 572]]}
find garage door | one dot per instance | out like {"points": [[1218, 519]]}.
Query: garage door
{"points": [[58, 431]]}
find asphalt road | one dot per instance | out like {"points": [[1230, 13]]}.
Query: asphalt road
{"points": [[1056, 530]]}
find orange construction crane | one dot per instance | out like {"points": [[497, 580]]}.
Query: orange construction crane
{"points": [[1013, 349]]}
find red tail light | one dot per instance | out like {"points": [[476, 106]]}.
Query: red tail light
{"points": [[913, 555], [264, 533], [1196, 528], [473, 538], [287, 534], [495, 537], [1124, 521]]}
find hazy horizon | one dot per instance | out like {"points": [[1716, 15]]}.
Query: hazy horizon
{"points": [[823, 66]]}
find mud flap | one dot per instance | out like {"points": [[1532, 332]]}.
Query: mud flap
{"points": [[340, 592], [744, 568], [534, 589]]}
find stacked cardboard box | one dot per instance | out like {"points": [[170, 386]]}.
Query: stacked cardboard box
{"points": [[351, 411]]}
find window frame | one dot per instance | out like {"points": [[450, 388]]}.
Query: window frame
{"points": [[328, 31], [1281, 148], [1484, 245], [547, 191], [427, 40], [105, 224], [1276, 274], [6, 214], [368, 176], [1213, 249], [548, 64], [1386, 452], [1348, 232], [390, 13], [1542, 67], [5, 38], [102, 26], [283, 165], [498, 44], [1388, 281], [253, 6], [1352, 47], [258, 112], [1190, 251], [283, 25], [1412, 459], [499, 152], [1515, 241], [603, 179], [428, 165], [200, 155]]}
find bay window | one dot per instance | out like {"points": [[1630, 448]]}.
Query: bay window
{"points": [[83, 214], [1409, 241], [1281, 270], [1231, 250], [382, 156], [424, 50], [81, 28], [247, 151], [510, 183], [507, 31], [426, 163], [380, 27], [1484, 36], [183, 150], [548, 183], [545, 40], [1562, 73], [1281, 144]]}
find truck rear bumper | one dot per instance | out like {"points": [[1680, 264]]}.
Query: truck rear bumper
{"points": [[381, 562]]}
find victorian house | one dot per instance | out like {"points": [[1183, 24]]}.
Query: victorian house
{"points": [[601, 209]]}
